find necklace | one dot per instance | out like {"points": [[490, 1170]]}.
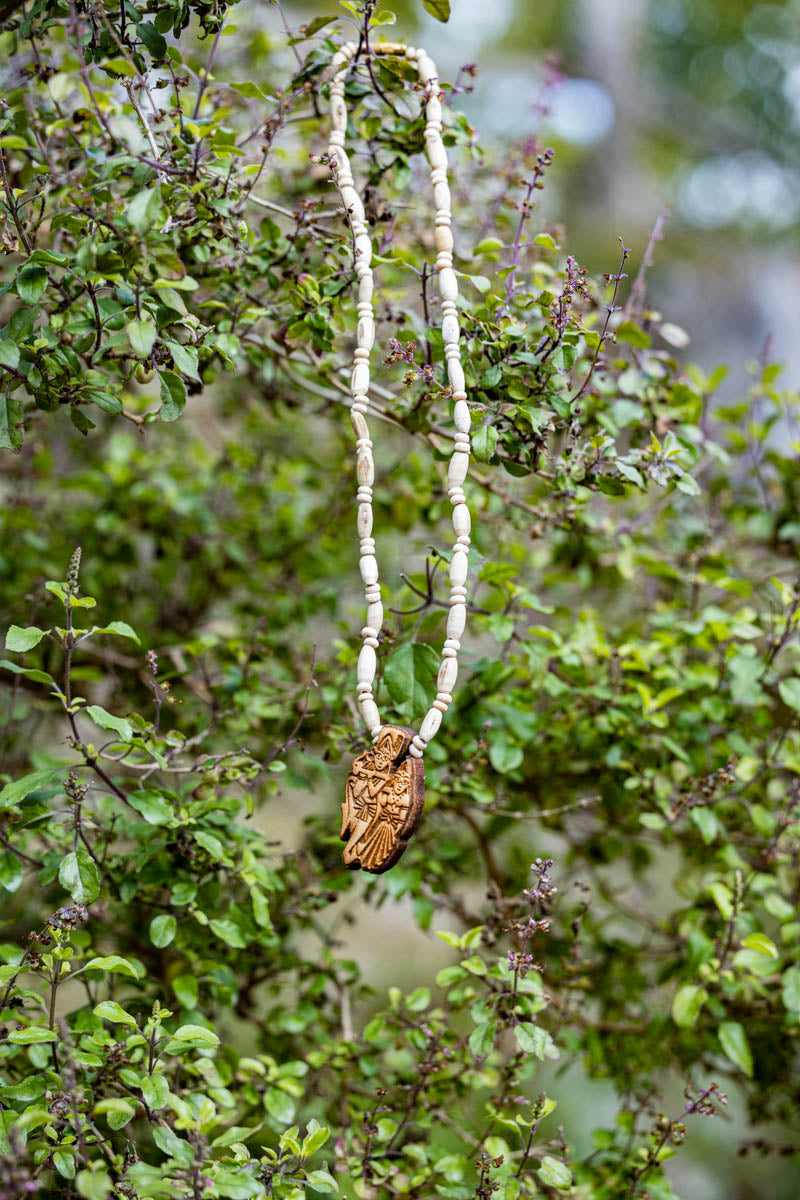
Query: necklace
{"points": [[385, 790]]}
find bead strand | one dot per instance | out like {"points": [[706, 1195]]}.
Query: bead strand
{"points": [[458, 466]]}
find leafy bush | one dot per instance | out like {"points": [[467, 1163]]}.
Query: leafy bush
{"points": [[180, 1015]]}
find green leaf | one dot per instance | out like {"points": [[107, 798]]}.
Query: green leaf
{"points": [[64, 1163], [153, 807], [107, 720], [29, 672], [481, 1039], [279, 1105], [119, 627], [438, 8], [13, 792], [689, 1000], [173, 396], [534, 1040], [410, 677], [152, 39], [144, 209], [32, 1035], [185, 988], [735, 1046], [322, 1181], [19, 640], [109, 1010], [316, 1136], [80, 875], [184, 358], [790, 692], [113, 963], [761, 943], [555, 1174], [9, 354], [163, 929], [31, 283], [11, 871], [484, 443], [155, 1090], [228, 932], [196, 1035], [791, 989], [141, 335], [119, 66]]}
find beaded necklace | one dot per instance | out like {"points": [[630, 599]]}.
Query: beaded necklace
{"points": [[385, 790]]}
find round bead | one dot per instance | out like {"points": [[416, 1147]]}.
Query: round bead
{"points": [[440, 705], [456, 495], [367, 545], [443, 698], [364, 494], [414, 751]]}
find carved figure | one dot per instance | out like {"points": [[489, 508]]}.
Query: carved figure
{"points": [[383, 802]]}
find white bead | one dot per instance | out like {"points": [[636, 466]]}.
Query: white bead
{"points": [[372, 593], [358, 423], [457, 469], [448, 284], [368, 565], [456, 495], [366, 287], [448, 674], [364, 495], [370, 715], [339, 111], [433, 109], [461, 416], [436, 153], [440, 706], [441, 197], [364, 248], [375, 615], [456, 621], [414, 751], [430, 725], [455, 374], [367, 545], [426, 67], [449, 651], [365, 469], [443, 239], [461, 439], [458, 569], [461, 519], [367, 665], [443, 698], [369, 632], [343, 169], [359, 380], [366, 332], [450, 329], [458, 595], [411, 52], [364, 520], [335, 144]]}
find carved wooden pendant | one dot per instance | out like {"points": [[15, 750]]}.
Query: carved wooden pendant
{"points": [[383, 802]]}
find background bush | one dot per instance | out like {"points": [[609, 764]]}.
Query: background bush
{"points": [[608, 858]]}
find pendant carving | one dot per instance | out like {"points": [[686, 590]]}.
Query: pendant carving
{"points": [[384, 795]]}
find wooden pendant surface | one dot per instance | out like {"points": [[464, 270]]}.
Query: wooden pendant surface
{"points": [[383, 802]]}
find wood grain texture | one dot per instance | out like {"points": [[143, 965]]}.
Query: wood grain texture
{"points": [[384, 795]]}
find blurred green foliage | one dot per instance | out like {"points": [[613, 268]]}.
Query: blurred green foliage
{"points": [[177, 1014]]}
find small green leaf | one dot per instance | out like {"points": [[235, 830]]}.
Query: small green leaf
{"points": [[791, 989], [279, 1105], [438, 8], [155, 1090], [735, 1046], [689, 1000], [113, 963], [11, 871], [80, 875], [31, 283], [197, 1035], [19, 640], [484, 443], [163, 929], [184, 358], [32, 1035], [109, 1010], [410, 677], [107, 720], [761, 943], [18, 789], [185, 988], [481, 1039], [153, 807], [555, 1174], [534, 1040], [141, 335], [173, 395], [322, 1181], [790, 692]]}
